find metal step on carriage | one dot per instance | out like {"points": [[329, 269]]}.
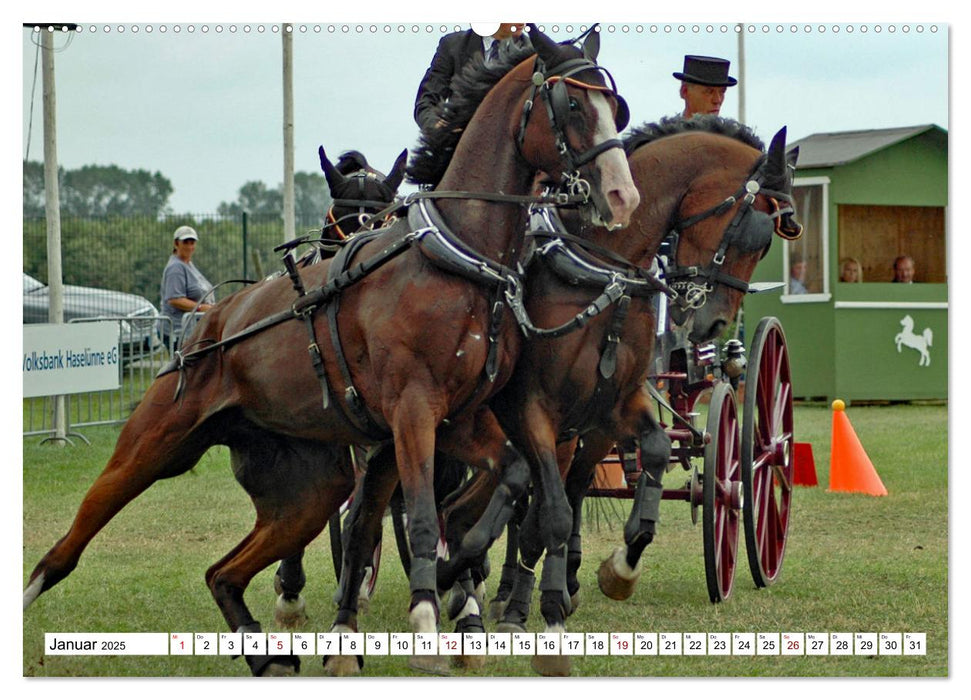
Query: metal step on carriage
{"points": [[740, 463]]}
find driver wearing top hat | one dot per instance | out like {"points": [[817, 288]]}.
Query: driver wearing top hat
{"points": [[704, 81]]}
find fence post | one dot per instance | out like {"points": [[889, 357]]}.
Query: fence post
{"points": [[245, 249]]}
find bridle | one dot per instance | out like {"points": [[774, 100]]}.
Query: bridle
{"points": [[694, 283], [364, 206], [550, 84]]}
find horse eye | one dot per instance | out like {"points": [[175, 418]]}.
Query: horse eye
{"points": [[574, 104]]}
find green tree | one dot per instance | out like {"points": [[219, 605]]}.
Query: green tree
{"points": [[34, 189], [311, 199], [99, 190]]}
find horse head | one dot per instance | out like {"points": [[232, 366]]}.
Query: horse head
{"points": [[725, 226], [357, 189], [583, 114]]}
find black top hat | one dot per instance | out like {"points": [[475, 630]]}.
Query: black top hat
{"points": [[706, 70]]}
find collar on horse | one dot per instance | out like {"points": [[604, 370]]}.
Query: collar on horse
{"points": [[692, 284], [569, 259]]}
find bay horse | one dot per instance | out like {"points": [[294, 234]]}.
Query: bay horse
{"points": [[412, 341], [574, 395]]}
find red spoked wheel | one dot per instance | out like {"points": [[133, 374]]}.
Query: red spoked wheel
{"points": [[721, 493], [767, 448]]}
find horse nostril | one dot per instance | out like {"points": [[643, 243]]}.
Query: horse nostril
{"points": [[622, 203]]}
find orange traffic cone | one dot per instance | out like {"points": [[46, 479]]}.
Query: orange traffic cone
{"points": [[850, 469]]}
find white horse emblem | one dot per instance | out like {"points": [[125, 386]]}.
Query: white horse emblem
{"points": [[917, 342]]}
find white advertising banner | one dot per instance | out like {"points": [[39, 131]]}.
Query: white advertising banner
{"points": [[70, 358]]}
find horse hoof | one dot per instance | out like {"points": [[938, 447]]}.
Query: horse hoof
{"points": [[497, 608], [510, 627], [574, 602], [469, 663], [615, 577], [551, 665], [290, 613], [276, 670], [342, 666], [433, 664]]}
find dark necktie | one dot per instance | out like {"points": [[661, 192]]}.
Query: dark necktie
{"points": [[493, 53]]}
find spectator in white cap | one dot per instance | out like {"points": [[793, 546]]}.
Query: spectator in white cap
{"points": [[183, 287], [704, 81]]}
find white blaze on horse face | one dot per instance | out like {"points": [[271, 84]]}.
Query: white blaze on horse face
{"points": [[615, 178]]}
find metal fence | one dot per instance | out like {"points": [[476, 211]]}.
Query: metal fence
{"points": [[127, 255]]}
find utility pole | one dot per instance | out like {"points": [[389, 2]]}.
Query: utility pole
{"points": [[289, 227], [53, 212]]}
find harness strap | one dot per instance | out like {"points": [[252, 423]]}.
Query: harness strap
{"points": [[608, 358], [315, 357], [359, 416]]}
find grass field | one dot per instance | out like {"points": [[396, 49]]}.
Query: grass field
{"points": [[854, 564]]}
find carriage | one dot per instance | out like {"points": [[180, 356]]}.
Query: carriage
{"points": [[746, 457]]}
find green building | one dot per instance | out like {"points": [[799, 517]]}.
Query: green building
{"points": [[865, 198]]}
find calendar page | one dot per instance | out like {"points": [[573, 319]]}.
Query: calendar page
{"points": [[707, 538]]}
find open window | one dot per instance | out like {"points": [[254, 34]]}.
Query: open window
{"points": [[876, 235], [806, 268]]}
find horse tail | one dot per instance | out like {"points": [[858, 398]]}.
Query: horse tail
{"points": [[928, 336]]}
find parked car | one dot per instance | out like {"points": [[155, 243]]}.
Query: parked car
{"points": [[137, 315]]}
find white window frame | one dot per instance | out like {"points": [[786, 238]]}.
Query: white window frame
{"points": [[825, 295]]}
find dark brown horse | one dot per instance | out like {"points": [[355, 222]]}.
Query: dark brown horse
{"points": [[409, 345], [357, 191], [591, 383]]}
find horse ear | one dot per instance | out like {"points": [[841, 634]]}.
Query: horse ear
{"points": [[777, 154], [397, 171], [546, 48], [334, 178], [591, 45], [792, 157]]}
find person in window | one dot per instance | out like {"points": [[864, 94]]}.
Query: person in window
{"points": [[850, 270], [903, 269], [183, 286], [797, 274], [454, 51], [704, 81]]}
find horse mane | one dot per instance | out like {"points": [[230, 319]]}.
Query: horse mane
{"points": [[707, 123], [436, 145]]}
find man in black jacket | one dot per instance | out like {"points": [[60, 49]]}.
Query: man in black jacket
{"points": [[454, 51]]}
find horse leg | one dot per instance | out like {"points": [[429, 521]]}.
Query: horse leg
{"points": [[295, 486], [159, 440], [362, 529], [589, 452], [481, 443], [288, 583], [414, 422], [618, 574], [516, 611], [497, 606], [556, 522]]}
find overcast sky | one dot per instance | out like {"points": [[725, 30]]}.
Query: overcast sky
{"points": [[202, 102]]}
